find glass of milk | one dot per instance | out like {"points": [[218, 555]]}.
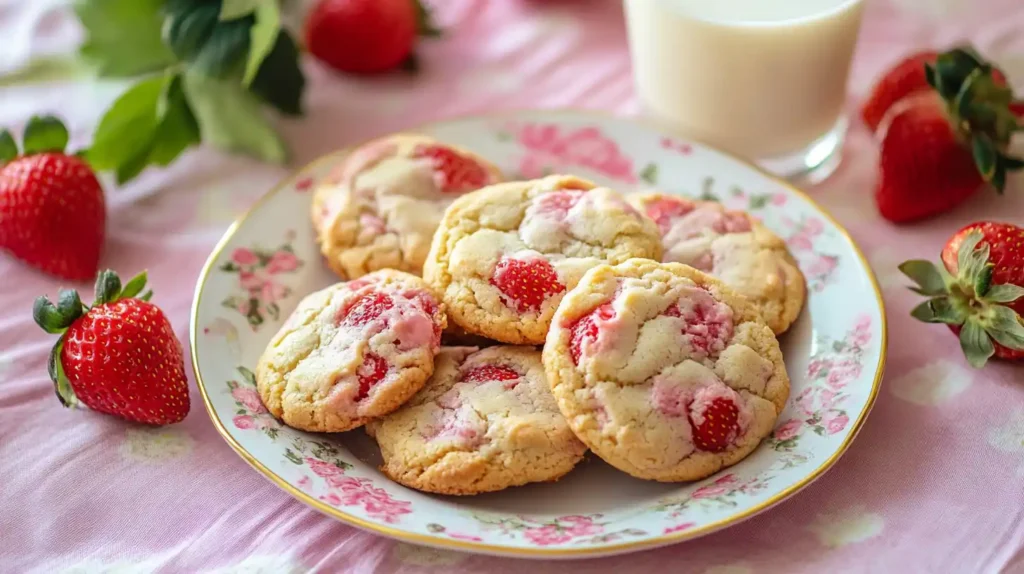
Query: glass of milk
{"points": [[763, 79]]}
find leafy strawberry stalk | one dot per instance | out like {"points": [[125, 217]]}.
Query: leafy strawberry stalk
{"points": [[57, 318], [965, 298], [981, 109]]}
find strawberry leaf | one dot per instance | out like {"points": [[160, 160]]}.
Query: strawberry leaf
{"points": [[926, 275], [983, 280], [108, 287], [938, 310], [280, 81], [247, 375], [123, 36], [61, 384], [976, 344], [47, 316], [234, 9], [177, 129], [1004, 293], [263, 37], [134, 286], [188, 26], [69, 305], [984, 152], [8, 147], [425, 20], [231, 118], [1004, 326], [44, 134], [146, 296], [127, 129], [225, 48]]}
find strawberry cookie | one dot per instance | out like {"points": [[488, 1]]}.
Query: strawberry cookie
{"points": [[663, 371], [380, 207], [732, 246], [504, 256], [352, 352], [485, 421]]}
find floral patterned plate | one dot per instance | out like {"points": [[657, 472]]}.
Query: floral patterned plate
{"points": [[834, 354]]}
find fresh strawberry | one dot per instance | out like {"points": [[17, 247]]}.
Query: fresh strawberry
{"points": [[119, 356], [905, 78], [52, 213], [371, 372], [485, 373], [979, 291], [526, 284], [939, 147], [365, 36], [718, 425], [454, 171], [585, 329]]}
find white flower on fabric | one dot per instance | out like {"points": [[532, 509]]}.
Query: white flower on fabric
{"points": [[156, 445], [734, 568], [262, 564], [933, 383], [847, 526], [425, 556]]}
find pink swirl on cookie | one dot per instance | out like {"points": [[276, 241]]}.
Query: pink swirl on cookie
{"points": [[707, 322]]}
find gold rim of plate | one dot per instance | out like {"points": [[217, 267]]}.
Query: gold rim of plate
{"points": [[450, 544]]}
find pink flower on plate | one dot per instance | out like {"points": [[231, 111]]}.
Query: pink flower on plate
{"points": [[679, 527], [723, 485], [533, 166], [805, 401], [580, 525], [243, 256], [547, 535], [788, 429], [843, 373], [251, 281], [249, 398], [823, 265], [814, 226], [266, 422], [282, 262], [331, 498], [779, 198], [539, 137], [304, 184], [324, 469], [244, 422], [862, 331], [304, 483], [800, 242], [469, 537], [835, 423], [272, 292], [816, 367], [827, 398]]}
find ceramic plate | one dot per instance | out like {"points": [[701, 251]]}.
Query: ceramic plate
{"points": [[835, 353]]}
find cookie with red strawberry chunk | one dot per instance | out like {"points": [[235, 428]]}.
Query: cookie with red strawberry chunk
{"points": [[379, 208], [352, 352], [504, 256], [366, 36], [119, 356], [665, 372], [978, 291], [52, 212], [940, 146]]}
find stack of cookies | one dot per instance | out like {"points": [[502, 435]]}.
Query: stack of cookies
{"points": [[489, 333]]}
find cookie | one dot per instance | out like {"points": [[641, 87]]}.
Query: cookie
{"points": [[504, 256], [380, 207], [485, 421], [732, 246], [352, 352], [663, 371]]}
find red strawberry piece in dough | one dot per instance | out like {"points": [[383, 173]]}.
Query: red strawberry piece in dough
{"points": [[663, 209], [486, 373], [526, 283], [924, 168], [362, 36], [716, 427], [366, 308], [557, 204], [707, 328], [429, 306], [905, 78], [585, 330], [370, 373], [453, 171]]}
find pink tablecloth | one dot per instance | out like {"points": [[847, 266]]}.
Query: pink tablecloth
{"points": [[933, 483]]}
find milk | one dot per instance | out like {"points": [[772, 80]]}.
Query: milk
{"points": [[760, 78]]}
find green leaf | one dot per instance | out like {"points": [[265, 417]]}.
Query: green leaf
{"points": [[976, 344], [983, 280], [280, 81], [47, 69], [234, 9], [188, 27], [262, 36], [44, 134], [108, 287], [248, 375], [970, 258], [650, 174], [1004, 326], [1004, 293], [61, 384], [938, 310], [425, 21], [930, 75], [69, 305], [128, 126], [1012, 163], [231, 118], [998, 180], [926, 275], [225, 48], [134, 286], [146, 296], [177, 129], [123, 36], [47, 316], [8, 147], [984, 155]]}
